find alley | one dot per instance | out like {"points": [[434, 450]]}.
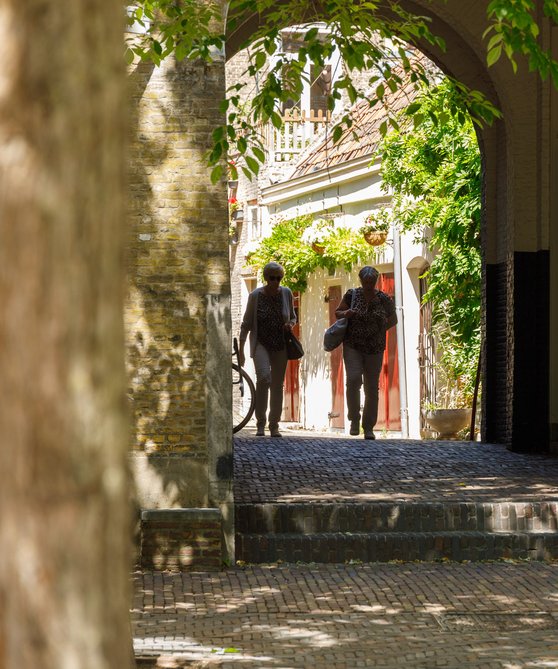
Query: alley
{"points": [[387, 615]]}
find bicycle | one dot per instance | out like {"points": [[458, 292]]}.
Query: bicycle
{"points": [[243, 394]]}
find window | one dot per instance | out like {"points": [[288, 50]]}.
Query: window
{"points": [[321, 87]]}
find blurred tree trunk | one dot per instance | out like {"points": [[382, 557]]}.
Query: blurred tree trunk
{"points": [[64, 510]]}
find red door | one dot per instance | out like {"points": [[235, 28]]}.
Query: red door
{"points": [[337, 413], [389, 415], [291, 393]]}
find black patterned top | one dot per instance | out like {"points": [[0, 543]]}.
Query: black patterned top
{"points": [[366, 331], [270, 322]]}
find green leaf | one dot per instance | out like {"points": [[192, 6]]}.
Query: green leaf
{"points": [[412, 108], [253, 164], [242, 144], [217, 134], [494, 55], [276, 120], [249, 175], [261, 60], [260, 155], [494, 40], [216, 173]]}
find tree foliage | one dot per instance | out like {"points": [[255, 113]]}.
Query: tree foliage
{"points": [[367, 38], [434, 171]]}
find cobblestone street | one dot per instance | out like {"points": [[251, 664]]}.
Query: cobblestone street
{"points": [[390, 615], [303, 468]]}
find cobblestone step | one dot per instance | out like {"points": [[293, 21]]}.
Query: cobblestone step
{"points": [[312, 518], [343, 547]]}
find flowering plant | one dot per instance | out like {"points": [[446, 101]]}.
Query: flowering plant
{"points": [[379, 220], [318, 232]]}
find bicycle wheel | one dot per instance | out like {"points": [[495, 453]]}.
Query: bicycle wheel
{"points": [[244, 398]]}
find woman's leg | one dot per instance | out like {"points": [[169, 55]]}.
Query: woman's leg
{"points": [[278, 368], [262, 365], [354, 368], [372, 369]]}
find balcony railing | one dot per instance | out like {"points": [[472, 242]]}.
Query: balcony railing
{"points": [[299, 129]]}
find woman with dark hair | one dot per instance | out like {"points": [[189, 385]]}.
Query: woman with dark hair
{"points": [[370, 313], [269, 316]]}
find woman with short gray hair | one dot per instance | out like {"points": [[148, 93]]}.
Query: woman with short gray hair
{"points": [[269, 316], [370, 313]]}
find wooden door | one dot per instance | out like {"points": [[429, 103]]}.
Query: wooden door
{"points": [[389, 405], [291, 395], [337, 377]]}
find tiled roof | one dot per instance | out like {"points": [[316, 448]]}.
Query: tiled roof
{"points": [[366, 126]]}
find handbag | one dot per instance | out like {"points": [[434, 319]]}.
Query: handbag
{"points": [[293, 346], [334, 335]]}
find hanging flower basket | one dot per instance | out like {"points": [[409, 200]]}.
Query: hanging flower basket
{"points": [[375, 238], [317, 234]]}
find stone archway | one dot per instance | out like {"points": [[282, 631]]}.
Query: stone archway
{"points": [[516, 225], [178, 314]]}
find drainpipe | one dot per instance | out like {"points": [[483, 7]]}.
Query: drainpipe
{"points": [[400, 331]]}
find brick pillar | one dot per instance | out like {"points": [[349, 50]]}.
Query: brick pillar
{"points": [[178, 311]]}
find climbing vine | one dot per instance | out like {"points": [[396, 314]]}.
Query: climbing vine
{"points": [[291, 247], [367, 38], [434, 172]]}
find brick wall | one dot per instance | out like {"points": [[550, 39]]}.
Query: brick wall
{"points": [[178, 303], [181, 540]]}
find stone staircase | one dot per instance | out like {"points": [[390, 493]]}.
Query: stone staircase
{"points": [[386, 531]]}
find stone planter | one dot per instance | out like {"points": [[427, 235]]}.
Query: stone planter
{"points": [[448, 422], [375, 238]]}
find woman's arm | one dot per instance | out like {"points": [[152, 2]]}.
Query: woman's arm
{"points": [[391, 321], [391, 313], [245, 327], [292, 315], [343, 309]]}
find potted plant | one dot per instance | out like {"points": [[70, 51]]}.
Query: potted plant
{"points": [[236, 213], [450, 412], [317, 234], [376, 226]]}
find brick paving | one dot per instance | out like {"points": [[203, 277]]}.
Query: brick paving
{"points": [[304, 468], [388, 616], [397, 615]]}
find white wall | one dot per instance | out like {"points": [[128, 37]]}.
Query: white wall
{"points": [[351, 191]]}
